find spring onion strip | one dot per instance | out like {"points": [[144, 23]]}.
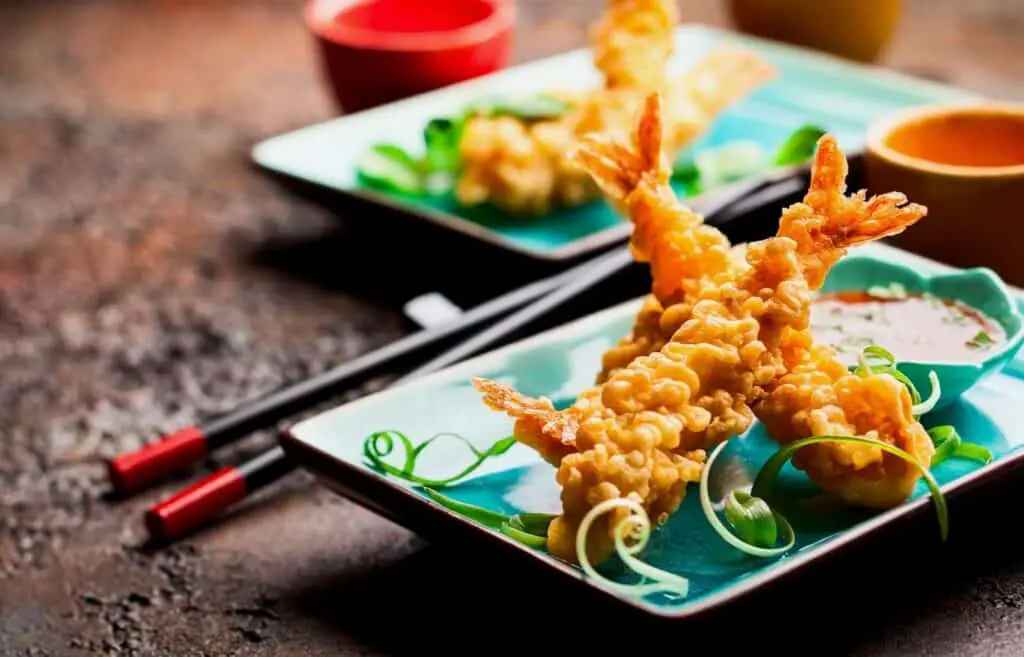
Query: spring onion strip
{"points": [[723, 531], [974, 452], [944, 447], [484, 516], [530, 540], [530, 529], [637, 528], [380, 444], [885, 363], [949, 444], [933, 398], [770, 471]]}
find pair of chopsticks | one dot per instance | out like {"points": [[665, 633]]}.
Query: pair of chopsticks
{"points": [[198, 504]]}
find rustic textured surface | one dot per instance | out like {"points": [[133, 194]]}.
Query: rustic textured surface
{"points": [[149, 276]]}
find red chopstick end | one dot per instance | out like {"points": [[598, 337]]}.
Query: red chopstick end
{"points": [[136, 470], [179, 515]]}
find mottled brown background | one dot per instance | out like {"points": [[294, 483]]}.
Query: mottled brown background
{"points": [[148, 275]]}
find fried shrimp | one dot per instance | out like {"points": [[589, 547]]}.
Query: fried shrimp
{"points": [[818, 396], [643, 433], [525, 168]]}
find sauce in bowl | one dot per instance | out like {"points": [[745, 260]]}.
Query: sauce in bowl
{"points": [[964, 139], [914, 327]]}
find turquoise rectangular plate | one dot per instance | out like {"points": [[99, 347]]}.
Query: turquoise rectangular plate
{"points": [[840, 96], [559, 364]]}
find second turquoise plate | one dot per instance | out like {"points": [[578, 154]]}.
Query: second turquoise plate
{"points": [[559, 364], [834, 94]]}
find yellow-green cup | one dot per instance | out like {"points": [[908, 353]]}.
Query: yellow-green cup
{"points": [[965, 163]]}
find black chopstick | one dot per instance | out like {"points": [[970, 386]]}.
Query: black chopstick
{"points": [[137, 470], [196, 505]]}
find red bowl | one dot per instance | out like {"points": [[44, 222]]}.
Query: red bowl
{"points": [[377, 51]]}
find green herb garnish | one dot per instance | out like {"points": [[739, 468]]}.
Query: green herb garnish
{"points": [[530, 108], [713, 167], [799, 146], [765, 479], [441, 137], [630, 537], [380, 444], [876, 360], [754, 521], [389, 167], [981, 340], [949, 444], [530, 529]]}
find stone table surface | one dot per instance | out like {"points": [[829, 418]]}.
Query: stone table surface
{"points": [[150, 276]]}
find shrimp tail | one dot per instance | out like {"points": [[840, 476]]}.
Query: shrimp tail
{"points": [[828, 222], [539, 425], [666, 233]]}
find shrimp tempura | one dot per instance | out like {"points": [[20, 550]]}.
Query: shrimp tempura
{"points": [[525, 167], [818, 396], [642, 434]]}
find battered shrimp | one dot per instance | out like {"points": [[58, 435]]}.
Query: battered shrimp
{"points": [[818, 396], [644, 432], [525, 168]]}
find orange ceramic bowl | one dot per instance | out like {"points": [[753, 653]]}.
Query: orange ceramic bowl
{"points": [[965, 163], [377, 51]]}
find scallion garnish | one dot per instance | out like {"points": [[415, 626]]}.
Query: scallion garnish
{"points": [[529, 108], [752, 519], [799, 146], [754, 524], [636, 527], [530, 529], [770, 471], [380, 444], [981, 340], [728, 163], [948, 443], [441, 138], [391, 168], [712, 167], [876, 360], [917, 410], [974, 452]]}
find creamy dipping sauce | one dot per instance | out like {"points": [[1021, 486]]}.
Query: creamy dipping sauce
{"points": [[921, 328]]}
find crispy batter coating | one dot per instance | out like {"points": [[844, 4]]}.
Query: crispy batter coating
{"points": [[525, 168], [742, 341], [818, 396]]}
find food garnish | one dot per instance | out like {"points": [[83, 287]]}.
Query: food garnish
{"points": [[981, 340], [949, 444], [530, 529], [756, 524], [712, 167], [380, 444], [769, 472], [630, 536]]}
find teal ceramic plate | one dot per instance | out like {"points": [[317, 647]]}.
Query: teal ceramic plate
{"points": [[979, 288], [560, 363], [836, 95]]}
